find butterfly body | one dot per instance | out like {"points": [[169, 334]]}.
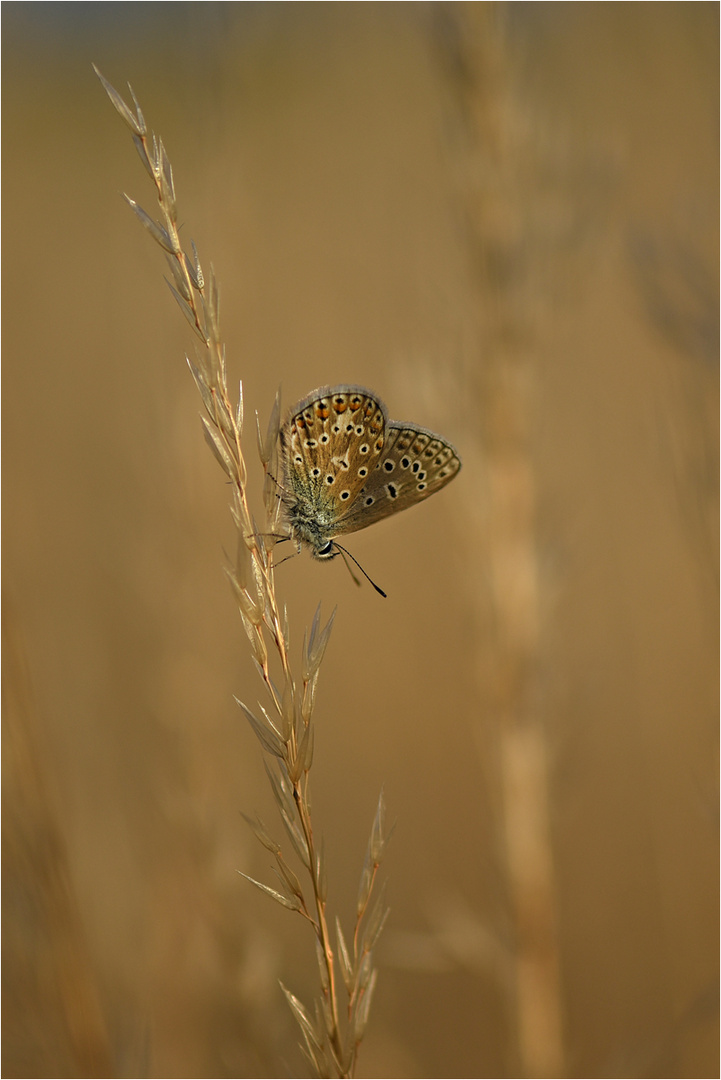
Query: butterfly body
{"points": [[346, 465]]}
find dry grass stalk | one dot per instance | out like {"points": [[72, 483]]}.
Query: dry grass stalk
{"points": [[285, 729]]}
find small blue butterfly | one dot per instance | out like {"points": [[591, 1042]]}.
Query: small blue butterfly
{"points": [[346, 465]]}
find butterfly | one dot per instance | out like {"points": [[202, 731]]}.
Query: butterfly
{"points": [[346, 466]]}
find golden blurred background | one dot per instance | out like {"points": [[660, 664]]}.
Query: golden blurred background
{"points": [[504, 219]]}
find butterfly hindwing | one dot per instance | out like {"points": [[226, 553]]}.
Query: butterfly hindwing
{"points": [[415, 463]]}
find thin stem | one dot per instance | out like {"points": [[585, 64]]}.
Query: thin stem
{"points": [[322, 926]]}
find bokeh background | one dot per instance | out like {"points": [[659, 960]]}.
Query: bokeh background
{"points": [[504, 219]]}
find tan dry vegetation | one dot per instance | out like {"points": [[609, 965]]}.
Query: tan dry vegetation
{"points": [[505, 221]]}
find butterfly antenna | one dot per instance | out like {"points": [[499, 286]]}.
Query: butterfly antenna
{"points": [[345, 553]]}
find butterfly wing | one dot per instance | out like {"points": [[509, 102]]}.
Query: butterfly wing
{"points": [[414, 464], [332, 441]]}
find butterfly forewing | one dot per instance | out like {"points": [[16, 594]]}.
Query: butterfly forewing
{"points": [[335, 438]]}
